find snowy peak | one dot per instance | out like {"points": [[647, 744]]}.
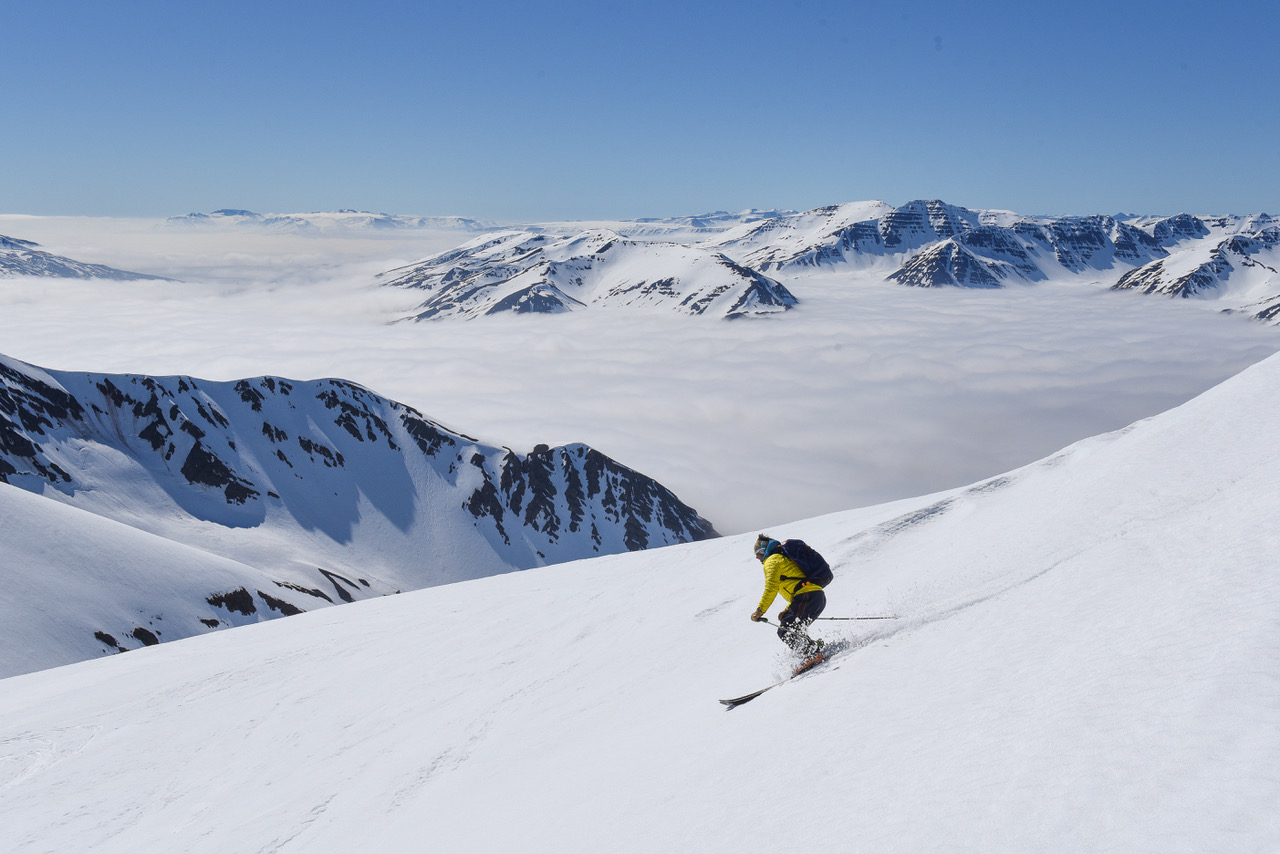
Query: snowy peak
{"points": [[949, 263], [1176, 229], [25, 258], [525, 272]]}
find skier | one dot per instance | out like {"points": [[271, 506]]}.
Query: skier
{"points": [[805, 600]]}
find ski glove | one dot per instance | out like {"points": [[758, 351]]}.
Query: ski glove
{"points": [[757, 615]]}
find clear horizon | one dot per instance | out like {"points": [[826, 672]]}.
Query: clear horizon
{"points": [[575, 111]]}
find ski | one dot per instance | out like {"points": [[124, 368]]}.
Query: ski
{"points": [[746, 698]]}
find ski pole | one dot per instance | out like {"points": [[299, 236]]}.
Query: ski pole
{"points": [[766, 619], [859, 618]]}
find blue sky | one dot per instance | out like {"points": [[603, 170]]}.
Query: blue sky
{"points": [[572, 110]]}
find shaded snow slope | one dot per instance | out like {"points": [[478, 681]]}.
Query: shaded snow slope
{"points": [[1087, 659]]}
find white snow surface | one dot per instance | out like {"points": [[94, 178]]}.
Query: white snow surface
{"points": [[1087, 659]]}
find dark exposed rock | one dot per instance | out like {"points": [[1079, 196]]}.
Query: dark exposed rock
{"points": [[426, 435], [239, 601], [250, 395], [280, 605], [337, 581], [485, 501], [109, 641], [146, 636], [310, 591], [204, 467]]}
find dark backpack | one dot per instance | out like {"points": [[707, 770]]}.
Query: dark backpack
{"points": [[813, 565]]}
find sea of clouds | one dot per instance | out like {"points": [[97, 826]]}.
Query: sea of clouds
{"points": [[865, 393]]}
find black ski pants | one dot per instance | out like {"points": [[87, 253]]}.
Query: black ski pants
{"points": [[802, 611]]}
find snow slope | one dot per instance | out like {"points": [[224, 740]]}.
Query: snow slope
{"points": [[1088, 659]]}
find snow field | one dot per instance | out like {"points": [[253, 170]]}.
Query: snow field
{"points": [[1088, 660]]}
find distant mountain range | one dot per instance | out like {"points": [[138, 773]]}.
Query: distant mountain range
{"points": [[309, 493], [745, 267], [25, 258], [522, 272], [342, 220], [749, 263]]}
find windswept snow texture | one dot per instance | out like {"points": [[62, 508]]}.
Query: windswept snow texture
{"points": [[322, 486], [1086, 658], [529, 273], [25, 258]]}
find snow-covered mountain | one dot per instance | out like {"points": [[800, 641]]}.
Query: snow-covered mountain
{"points": [[328, 491], [25, 258], [1235, 259], [745, 268], [962, 247], [1084, 659], [934, 244], [325, 221], [525, 272]]}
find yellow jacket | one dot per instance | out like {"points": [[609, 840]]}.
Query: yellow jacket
{"points": [[781, 575]]}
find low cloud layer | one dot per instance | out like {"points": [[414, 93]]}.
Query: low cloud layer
{"points": [[867, 393]]}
